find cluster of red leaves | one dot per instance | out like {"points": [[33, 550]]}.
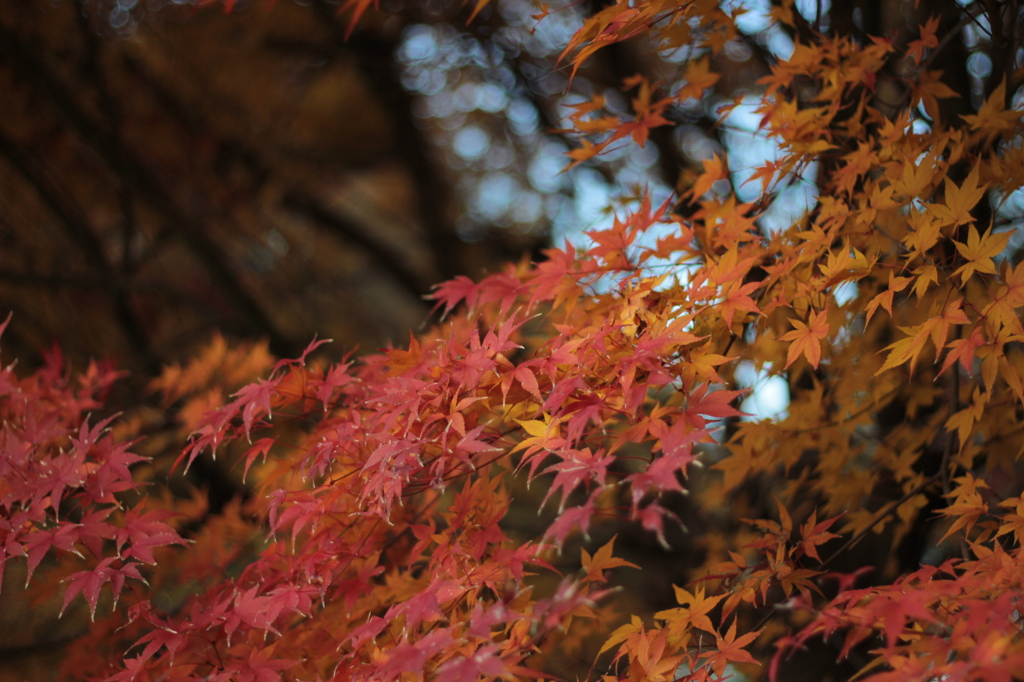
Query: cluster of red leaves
{"points": [[956, 621], [60, 477]]}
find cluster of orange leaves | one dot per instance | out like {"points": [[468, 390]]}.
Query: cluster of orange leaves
{"points": [[373, 546]]}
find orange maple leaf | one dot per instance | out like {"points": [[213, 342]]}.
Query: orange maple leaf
{"points": [[929, 89], [698, 77], [714, 170], [1003, 310], [963, 350], [601, 561], [766, 174], [916, 48], [807, 338], [730, 648], [693, 614], [586, 152], [884, 299]]}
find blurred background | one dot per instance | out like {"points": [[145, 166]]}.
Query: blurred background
{"points": [[171, 168]]}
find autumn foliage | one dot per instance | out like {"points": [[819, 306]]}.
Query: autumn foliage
{"points": [[375, 543]]}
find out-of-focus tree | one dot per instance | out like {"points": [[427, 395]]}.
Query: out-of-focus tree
{"points": [[169, 169]]}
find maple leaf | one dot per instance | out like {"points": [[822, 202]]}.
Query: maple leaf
{"points": [[570, 518], [935, 328], [577, 468], [807, 338], [628, 633], [926, 275], [694, 614], [925, 233], [254, 400], [813, 534], [917, 177], [963, 350], [992, 118], [1002, 310], [586, 151], [736, 298], [602, 560], [766, 174], [967, 505], [698, 78], [542, 435], [884, 299], [928, 89], [979, 251], [964, 420], [714, 171], [336, 377], [916, 48], [143, 531], [959, 200], [730, 648], [89, 583], [451, 293]]}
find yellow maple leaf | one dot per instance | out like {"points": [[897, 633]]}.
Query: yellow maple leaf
{"points": [[964, 420], [935, 328], [884, 299], [959, 200], [924, 235], [926, 274], [979, 251], [992, 117]]}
